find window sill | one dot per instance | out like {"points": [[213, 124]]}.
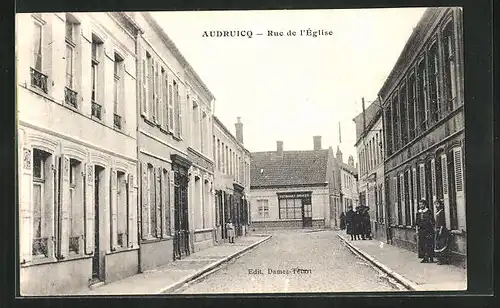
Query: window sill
{"points": [[155, 240], [177, 138], [41, 261], [165, 131], [122, 249], [148, 121], [203, 230]]}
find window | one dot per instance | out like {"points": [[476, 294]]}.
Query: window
{"points": [[290, 205], [449, 77], [95, 79], [218, 155], [170, 109], [157, 93], [388, 130], [395, 120], [144, 95], [150, 86], [177, 105], [75, 206], [422, 96], [40, 213], [407, 196], [202, 129], [422, 182], [403, 115], [411, 105], [164, 97], [263, 208], [151, 201], [70, 93], [117, 92], [122, 209], [434, 108], [38, 79]]}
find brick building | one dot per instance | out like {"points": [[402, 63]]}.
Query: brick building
{"points": [[76, 102], [291, 189], [423, 103]]}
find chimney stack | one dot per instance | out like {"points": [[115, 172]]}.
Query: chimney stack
{"points": [[279, 148], [339, 155], [350, 161], [239, 130], [317, 143]]}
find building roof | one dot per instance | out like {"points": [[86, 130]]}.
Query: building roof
{"points": [[349, 168], [372, 113], [294, 168], [219, 123]]}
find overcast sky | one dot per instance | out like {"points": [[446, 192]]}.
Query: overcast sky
{"points": [[291, 88]]}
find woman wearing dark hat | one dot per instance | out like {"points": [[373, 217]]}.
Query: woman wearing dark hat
{"points": [[349, 222], [425, 230], [342, 221], [357, 223], [442, 247]]}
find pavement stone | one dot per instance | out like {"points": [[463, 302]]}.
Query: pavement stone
{"points": [[402, 262]]}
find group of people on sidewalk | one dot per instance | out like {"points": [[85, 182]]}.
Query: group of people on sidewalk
{"points": [[357, 223], [433, 236]]}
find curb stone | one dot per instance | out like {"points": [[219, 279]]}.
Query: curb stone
{"points": [[209, 268], [410, 285]]}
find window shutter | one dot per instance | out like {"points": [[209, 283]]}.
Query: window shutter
{"points": [[89, 209], [144, 105], [65, 199], [433, 179], [403, 203], [113, 207], [415, 193], [131, 207], [395, 198], [172, 198], [25, 200], [180, 107], [446, 200], [158, 206], [144, 204], [164, 184], [170, 108], [422, 182], [460, 197]]}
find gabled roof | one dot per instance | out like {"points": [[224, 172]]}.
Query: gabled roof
{"points": [[293, 168], [349, 168], [372, 114]]}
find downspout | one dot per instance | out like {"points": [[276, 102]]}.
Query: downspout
{"points": [[386, 205], [139, 175]]}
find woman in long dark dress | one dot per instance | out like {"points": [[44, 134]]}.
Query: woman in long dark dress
{"points": [[357, 224], [367, 228], [349, 220], [442, 247], [425, 229], [342, 221]]}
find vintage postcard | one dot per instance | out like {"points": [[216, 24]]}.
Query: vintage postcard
{"points": [[231, 152]]}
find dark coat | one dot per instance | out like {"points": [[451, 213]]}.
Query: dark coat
{"points": [[357, 223], [425, 223], [365, 219], [442, 240], [349, 222]]}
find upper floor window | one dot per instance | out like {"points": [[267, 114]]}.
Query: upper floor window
{"points": [[38, 78], [450, 82], [117, 92], [95, 78], [434, 108]]}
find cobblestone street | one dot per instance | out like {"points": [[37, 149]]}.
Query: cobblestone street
{"points": [[321, 263]]}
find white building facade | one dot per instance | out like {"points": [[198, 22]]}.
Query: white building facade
{"points": [[76, 102]]}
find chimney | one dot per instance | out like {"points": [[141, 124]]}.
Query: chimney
{"points": [[239, 130], [279, 148], [317, 143], [339, 155], [350, 161]]}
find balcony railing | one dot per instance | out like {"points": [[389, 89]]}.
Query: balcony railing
{"points": [[96, 110], [39, 80], [117, 120], [40, 246], [74, 244], [70, 97]]}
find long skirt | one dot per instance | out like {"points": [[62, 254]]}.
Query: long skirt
{"points": [[442, 247], [349, 228], [425, 244], [230, 232]]}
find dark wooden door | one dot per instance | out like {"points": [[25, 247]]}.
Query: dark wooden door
{"points": [[181, 223], [306, 214]]}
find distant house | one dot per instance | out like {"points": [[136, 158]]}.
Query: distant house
{"points": [[291, 189]]}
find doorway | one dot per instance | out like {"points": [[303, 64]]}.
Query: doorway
{"points": [[181, 223], [306, 213]]}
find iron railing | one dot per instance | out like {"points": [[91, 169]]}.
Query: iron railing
{"points": [[181, 244], [40, 246], [39, 80], [96, 110], [117, 120], [70, 97]]}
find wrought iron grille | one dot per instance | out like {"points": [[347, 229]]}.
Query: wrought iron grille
{"points": [[117, 120], [70, 97], [74, 244], [39, 80], [40, 246], [96, 110]]}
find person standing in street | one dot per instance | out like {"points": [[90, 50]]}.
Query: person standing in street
{"points": [[342, 221], [367, 229], [349, 222], [230, 231], [442, 246], [357, 224], [425, 231]]}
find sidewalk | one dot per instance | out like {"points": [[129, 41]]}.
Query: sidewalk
{"points": [[404, 266], [167, 278]]}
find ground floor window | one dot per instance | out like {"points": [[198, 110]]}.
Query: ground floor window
{"points": [[263, 208], [291, 205], [41, 203]]}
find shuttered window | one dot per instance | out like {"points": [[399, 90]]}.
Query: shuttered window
{"points": [[422, 182], [457, 158]]}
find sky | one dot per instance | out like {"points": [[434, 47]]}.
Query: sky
{"points": [[291, 88]]}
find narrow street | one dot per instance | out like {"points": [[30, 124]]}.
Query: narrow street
{"points": [[294, 261]]}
